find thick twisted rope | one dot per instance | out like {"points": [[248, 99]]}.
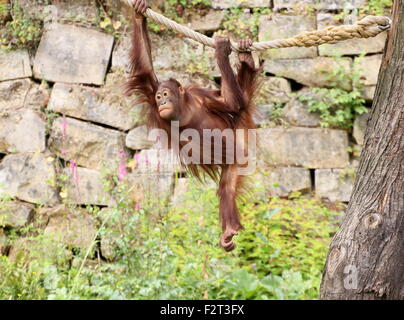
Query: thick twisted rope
{"points": [[368, 27]]}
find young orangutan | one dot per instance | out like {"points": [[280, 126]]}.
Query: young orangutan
{"points": [[199, 109]]}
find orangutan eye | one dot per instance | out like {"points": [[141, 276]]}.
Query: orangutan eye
{"points": [[165, 94], [158, 97]]}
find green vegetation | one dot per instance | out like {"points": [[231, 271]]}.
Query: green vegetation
{"points": [[348, 174], [176, 9], [109, 25], [24, 26], [3, 8], [172, 252], [190, 3], [243, 25], [237, 22], [109, 22], [338, 106], [151, 250], [198, 64], [355, 151], [376, 7], [273, 112], [22, 31]]}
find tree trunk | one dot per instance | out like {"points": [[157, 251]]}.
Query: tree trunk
{"points": [[366, 256]]}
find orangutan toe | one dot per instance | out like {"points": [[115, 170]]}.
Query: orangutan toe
{"points": [[229, 246], [226, 240]]}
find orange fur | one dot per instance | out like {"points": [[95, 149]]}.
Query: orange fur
{"points": [[232, 108]]}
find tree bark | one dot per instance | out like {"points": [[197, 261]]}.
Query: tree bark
{"points": [[366, 256]]}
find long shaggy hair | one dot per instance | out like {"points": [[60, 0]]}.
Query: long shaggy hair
{"points": [[141, 84]]}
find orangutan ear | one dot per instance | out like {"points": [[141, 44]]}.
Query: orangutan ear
{"points": [[181, 90]]}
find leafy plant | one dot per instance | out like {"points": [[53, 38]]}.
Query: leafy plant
{"points": [[376, 7], [338, 106], [150, 251], [242, 24], [198, 65], [22, 31], [273, 112], [108, 23], [288, 285], [3, 9], [186, 4], [174, 10]]}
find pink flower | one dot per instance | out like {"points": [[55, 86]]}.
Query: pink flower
{"points": [[136, 157], [122, 172], [122, 154], [64, 127], [122, 165], [74, 173]]}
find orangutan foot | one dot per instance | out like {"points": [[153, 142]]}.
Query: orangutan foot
{"points": [[226, 240]]}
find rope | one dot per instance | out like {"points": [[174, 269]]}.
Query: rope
{"points": [[368, 27]]}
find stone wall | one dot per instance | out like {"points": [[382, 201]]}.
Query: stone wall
{"points": [[64, 120]]}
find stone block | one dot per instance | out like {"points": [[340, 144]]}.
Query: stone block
{"points": [[359, 128], [14, 65], [282, 182], [29, 177], [209, 22], [226, 4], [106, 106], [333, 185], [85, 187], [137, 139], [22, 94], [368, 68], [283, 27], [73, 54], [72, 227], [15, 214], [22, 131], [298, 114], [319, 4], [310, 72], [151, 189], [303, 147], [88, 145], [274, 90], [368, 92]]}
